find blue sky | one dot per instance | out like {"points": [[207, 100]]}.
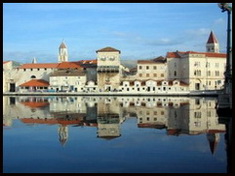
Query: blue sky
{"points": [[139, 30]]}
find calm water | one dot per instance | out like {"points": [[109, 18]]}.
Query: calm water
{"points": [[112, 135]]}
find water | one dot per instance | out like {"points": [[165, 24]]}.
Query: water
{"points": [[112, 135]]}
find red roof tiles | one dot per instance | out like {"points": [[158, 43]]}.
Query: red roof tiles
{"points": [[108, 49], [35, 104], [41, 65], [212, 38], [64, 65], [35, 83], [207, 54], [4, 62]]}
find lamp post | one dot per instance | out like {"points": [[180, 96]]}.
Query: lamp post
{"points": [[228, 72]]}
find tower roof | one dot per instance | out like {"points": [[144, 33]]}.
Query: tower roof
{"points": [[212, 38], [62, 45], [108, 49]]}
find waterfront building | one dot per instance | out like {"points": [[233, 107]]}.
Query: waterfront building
{"points": [[155, 69], [67, 80], [201, 70], [108, 69], [177, 73]]}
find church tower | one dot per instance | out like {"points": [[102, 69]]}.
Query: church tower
{"points": [[212, 45], [63, 53]]}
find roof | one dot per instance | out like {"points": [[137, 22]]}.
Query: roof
{"points": [[62, 45], [35, 104], [64, 65], [179, 54], [153, 61], [35, 83], [108, 49], [212, 38], [4, 62], [88, 61], [68, 73], [39, 65], [51, 121]]}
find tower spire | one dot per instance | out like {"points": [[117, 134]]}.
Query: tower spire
{"points": [[212, 44], [63, 52]]}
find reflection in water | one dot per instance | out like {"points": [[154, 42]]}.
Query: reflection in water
{"points": [[177, 115]]}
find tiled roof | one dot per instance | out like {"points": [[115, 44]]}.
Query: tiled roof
{"points": [[39, 65], [108, 49], [68, 73], [159, 60], [146, 62], [212, 38], [50, 121], [207, 54], [4, 62], [35, 104], [64, 65], [35, 83]]}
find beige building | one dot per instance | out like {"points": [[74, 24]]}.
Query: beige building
{"points": [[108, 69], [67, 80], [201, 70], [152, 69]]}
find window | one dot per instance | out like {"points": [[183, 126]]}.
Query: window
{"points": [[162, 75], [197, 114], [155, 74], [155, 67], [175, 73], [216, 65], [38, 69], [140, 67], [31, 69], [216, 73], [140, 75], [24, 69], [208, 73], [45, 68], [33, 76], [147, 75], [162, 112], [147, 67]]}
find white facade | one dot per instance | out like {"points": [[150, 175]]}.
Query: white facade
{"points": [[74, 82], [202, 71]]}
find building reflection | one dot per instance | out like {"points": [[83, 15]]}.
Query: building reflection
{"points": [[177, 115]]}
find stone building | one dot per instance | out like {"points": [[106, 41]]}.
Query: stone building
{"points": [[152, 69], [201, 70], [108, 69]]}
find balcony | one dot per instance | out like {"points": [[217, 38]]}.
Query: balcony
{"points": [[108, 69]]}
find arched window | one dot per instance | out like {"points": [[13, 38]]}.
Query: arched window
{"points": [[33, 76]]}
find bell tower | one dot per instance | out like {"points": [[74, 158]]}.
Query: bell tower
{"points": [[63, 53], [212, 45]]}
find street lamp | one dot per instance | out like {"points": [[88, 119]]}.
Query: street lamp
{"points": [[228, 72]]}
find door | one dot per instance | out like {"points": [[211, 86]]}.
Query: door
{"points": [[197, 86], [12, 87]]}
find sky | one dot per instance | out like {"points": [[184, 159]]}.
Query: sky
{"points": [[138, 30]]}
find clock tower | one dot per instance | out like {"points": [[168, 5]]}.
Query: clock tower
{"points": [[108, 69]]}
